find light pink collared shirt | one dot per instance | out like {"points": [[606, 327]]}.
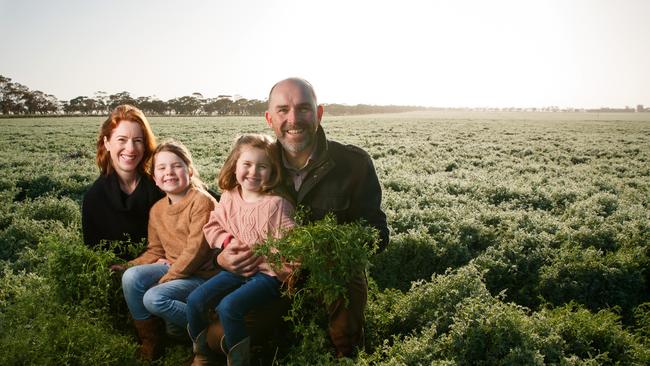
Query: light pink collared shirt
{"points": [[298, 175]]}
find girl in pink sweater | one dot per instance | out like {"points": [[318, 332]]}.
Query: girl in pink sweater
{"points": [[247, 213]]}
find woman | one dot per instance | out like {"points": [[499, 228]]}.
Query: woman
{"points": [[117, 205]]}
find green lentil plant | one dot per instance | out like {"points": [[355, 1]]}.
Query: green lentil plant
{"points": [[490, 333], [426, 304], [415, 256], [329, 256], [595, 279], [23, 233], [594, 338], [37, 329], [642, 322]]}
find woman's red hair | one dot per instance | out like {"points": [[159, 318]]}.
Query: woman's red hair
{"points": [[121, 113]]}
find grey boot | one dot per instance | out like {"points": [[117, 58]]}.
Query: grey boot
{"points": [[239, 354], [203, 355]]}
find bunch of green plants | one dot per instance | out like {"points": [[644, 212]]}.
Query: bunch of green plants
{"points": [[421, 254], [325, 257], [23, 224], [592, 338], [595, 279], [427, 304], [58, 307]]}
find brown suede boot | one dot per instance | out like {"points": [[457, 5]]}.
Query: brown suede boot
{"points": [[151, 332], [203, 355]]}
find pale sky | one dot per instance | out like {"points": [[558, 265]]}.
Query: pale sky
{"points": [[463, 53]]}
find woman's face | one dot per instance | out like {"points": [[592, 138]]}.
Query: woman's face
{"points": [[126, 147]]}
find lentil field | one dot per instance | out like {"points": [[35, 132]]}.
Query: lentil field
{"points": [[516, 239]]}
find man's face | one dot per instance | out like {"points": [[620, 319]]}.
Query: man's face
{"points": [[294, 116]]}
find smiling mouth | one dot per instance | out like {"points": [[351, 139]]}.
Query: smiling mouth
{"points": [[297, 131]]}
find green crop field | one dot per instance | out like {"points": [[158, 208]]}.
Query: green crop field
{"points": [[516, 238]]}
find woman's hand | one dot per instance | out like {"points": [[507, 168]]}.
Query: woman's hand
{"points": [[239, 259]]}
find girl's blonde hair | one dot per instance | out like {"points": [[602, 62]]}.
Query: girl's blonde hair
{"points": [[182, 152], [226, 179]]}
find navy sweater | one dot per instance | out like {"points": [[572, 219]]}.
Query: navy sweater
{"points": [[107, 213]]}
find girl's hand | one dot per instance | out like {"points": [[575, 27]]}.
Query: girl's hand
{"points": [[165, 278], [239, 259], [118, 268]]}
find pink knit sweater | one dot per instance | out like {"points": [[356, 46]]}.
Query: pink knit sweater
{"points": [[250, 223]]}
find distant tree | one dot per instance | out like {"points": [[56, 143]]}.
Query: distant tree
{"points": [[185, 105], [120, 98], [223, 106], [152, 105], [102, 102], [239, 106], [256, 107], [210, 106], [15, 97], [38, 102], [4, 86], [82, 105]]}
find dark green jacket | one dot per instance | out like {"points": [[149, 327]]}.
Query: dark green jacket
{"points": [[342, 181]]}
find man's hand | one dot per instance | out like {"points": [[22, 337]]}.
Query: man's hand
{"points": [[239, 259]]}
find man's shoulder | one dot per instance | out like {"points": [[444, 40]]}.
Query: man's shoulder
{"points": [[338, 147], [346, 151]]}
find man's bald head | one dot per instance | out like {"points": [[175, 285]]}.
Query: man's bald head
{"points": [[297, 81]]}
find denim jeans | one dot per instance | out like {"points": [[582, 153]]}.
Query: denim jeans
{"points": [[145, 297], [235, 296]]}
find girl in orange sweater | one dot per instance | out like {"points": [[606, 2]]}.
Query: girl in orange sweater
{"points": [[177, 259]]}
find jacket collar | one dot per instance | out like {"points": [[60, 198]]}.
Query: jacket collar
{"points": [[316, 169], [319, 168]]}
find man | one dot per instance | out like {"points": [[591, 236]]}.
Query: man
{"points": [[324, 176]]}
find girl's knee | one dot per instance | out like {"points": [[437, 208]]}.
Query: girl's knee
{"points": [[226, 308], [195, 302], [153, 302], [130, 277]]}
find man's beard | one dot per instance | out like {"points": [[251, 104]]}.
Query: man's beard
{"points": [[297, 147]]}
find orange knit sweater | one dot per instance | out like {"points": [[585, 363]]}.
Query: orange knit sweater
{"points": [[176, 236]]}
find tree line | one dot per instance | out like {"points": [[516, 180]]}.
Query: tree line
{"points": [[17, 99]]}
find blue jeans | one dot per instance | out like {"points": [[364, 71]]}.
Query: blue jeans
{"points": [[145, 297], [234, 296]]}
